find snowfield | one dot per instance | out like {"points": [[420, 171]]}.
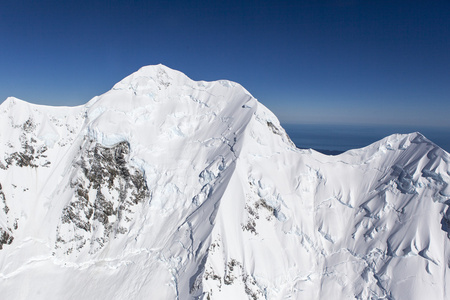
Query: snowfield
{"points": [[168, 188]]}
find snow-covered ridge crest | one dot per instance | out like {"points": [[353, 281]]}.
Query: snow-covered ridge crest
{"points": [[170, 188], [158, 96], [151, 80]]}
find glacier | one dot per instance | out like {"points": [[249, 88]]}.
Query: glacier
{"points": [[169, 188]]}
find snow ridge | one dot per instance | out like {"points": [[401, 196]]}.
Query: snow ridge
{"points": [[169, 188]]}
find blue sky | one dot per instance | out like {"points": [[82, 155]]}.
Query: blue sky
{"points": [[331, 61]]}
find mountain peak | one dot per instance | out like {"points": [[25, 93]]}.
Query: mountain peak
{"points": [[12, 101], [151, 78]]}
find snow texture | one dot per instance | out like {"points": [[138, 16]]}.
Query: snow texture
{"points": [[168, 188]]}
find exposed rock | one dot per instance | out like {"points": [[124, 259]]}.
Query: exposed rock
{"points": [[5, 238], [106, 187], [32, 152], [3, 200]]}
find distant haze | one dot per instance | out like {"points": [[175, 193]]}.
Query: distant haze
{"points": [[332, 139]]}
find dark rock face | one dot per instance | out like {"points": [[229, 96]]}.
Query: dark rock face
{"points": [[3, 200], [5, 238], [32, 153], [106, 187]]}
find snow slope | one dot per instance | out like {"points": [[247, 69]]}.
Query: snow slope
{"points": [[168, 188]]}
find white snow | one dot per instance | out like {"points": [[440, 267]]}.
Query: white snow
{"points": [[233, 209]]}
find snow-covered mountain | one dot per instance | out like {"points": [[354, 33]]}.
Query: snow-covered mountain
{"points": [[168, 188]]}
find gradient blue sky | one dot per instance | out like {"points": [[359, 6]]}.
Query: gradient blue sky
{"points": [[335, 61]]}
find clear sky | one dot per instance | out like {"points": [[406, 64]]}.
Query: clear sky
{"points": [[331, 61]]}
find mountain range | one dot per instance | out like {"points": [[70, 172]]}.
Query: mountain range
{"points": [[169, 188]]}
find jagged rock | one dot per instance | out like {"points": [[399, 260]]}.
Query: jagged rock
{"points": [[101, 170], [5, 238]]}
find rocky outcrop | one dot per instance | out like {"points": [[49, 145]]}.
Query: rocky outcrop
{"points": [[106, 188]]}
